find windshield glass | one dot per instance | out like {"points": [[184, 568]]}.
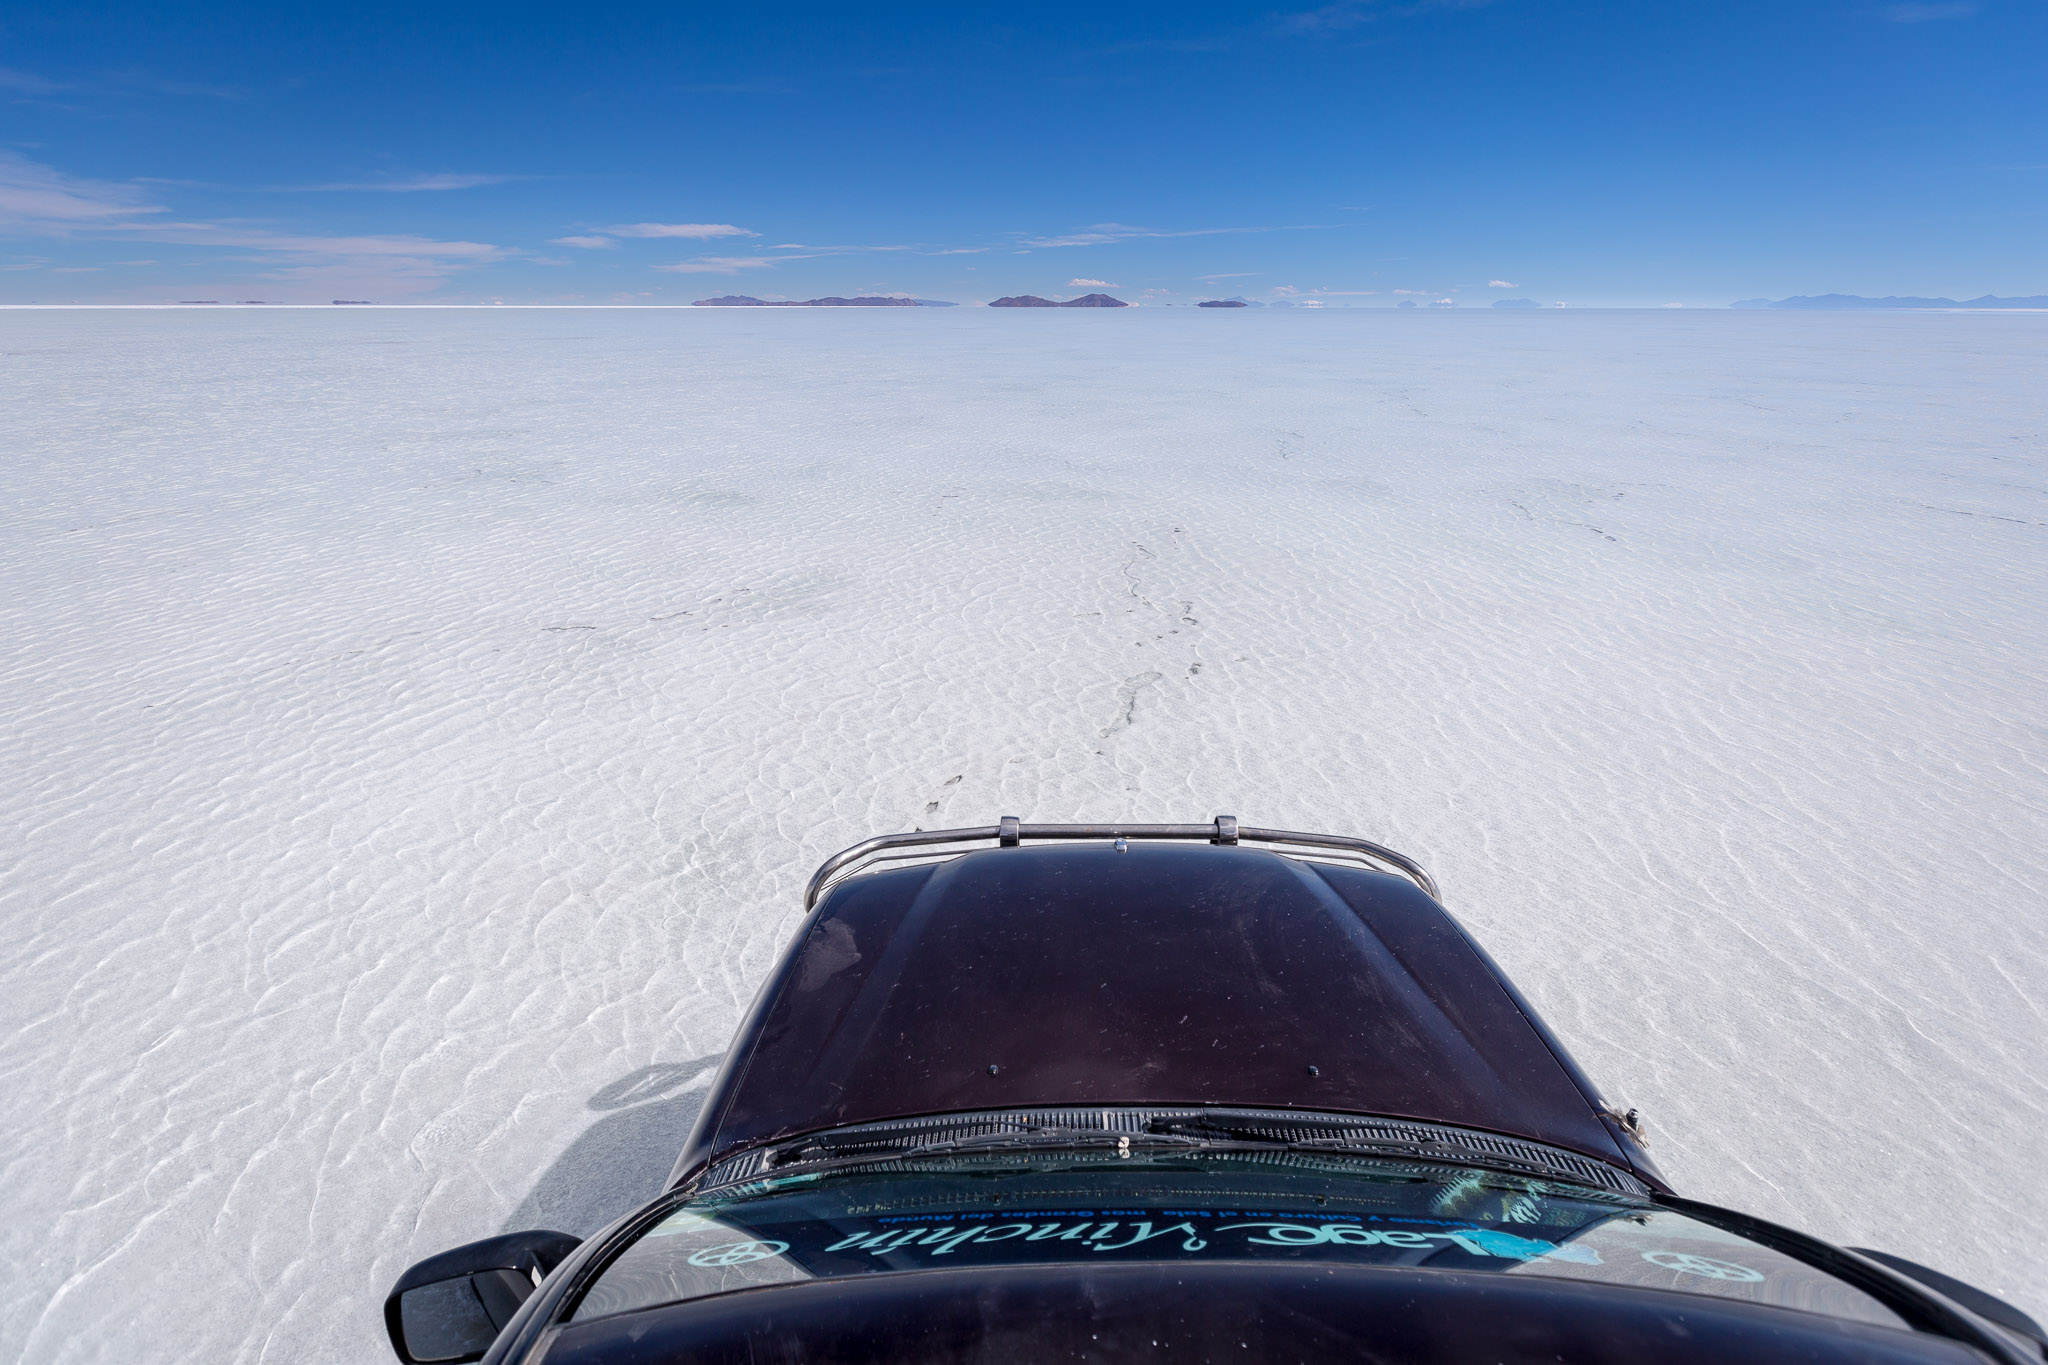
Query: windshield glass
{"points": [[1092, 1207]]}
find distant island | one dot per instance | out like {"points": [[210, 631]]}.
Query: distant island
{"points": [[1852, 301], [1516, 303], [349, 302], [865, 301], [1223, 303], [1033, 301]]}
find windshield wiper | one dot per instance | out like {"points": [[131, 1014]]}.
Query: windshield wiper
{"points": [[1134, 1130], [1024, 1137], [870, 1146], [1274, 1138], [1271, 1135]]}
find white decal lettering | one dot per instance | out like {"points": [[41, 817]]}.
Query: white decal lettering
{"points": [[1008, 1230], [1350, 1235], [1145, 1233], [1282, 1234]]}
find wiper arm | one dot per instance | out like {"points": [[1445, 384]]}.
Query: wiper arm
{"points": [[1024, 1137], [1256, 1136], [1208, 1129], [868, 1146]]}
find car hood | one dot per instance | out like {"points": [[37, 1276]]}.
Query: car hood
{"points": [[1171, 975]]}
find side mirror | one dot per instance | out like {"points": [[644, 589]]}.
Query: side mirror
{"points": [[450, 1308], [1986, 1306]]}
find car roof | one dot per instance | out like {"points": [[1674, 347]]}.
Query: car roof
{"points": [[1067, 974]]}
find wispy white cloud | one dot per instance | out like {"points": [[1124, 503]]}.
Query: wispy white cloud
{"points": [[738, 88], [695, 230], [27, 82], [369, 246], [1922, 14], [587, 243], [1092, 284], [841, 248], [415, 184], [722, 265], [120, 83], [37, 198], [1501, 284], [1349, 14], [1105, 234]]}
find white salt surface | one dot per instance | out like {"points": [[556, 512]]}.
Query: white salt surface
{"points": [[418, 727]]}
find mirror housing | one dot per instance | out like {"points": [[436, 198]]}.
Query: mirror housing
{"points": [[449, 1308], [1986, 1306]]}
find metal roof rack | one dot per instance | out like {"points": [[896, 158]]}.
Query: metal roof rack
{"points": [[926, 845]]}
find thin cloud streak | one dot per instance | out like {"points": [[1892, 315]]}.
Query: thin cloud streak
{"points": [[37, 197], [116, 83], [412, 185], [27, 82], [1350, 14], [692, 230], [37, 200], [1106, 234], [723, 265]]}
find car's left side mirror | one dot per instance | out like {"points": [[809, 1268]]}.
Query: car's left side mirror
{"points": [[1985, 1305], [450, 1308]]}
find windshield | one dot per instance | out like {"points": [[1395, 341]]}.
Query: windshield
{"points": [[1093, 1207]]}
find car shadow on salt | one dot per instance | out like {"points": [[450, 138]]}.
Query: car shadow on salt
{"points": [[620, 1162]]}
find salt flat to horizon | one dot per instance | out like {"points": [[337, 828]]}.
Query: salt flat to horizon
{"points": [[419, 726]]}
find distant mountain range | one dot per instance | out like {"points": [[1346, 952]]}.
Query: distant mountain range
{"points": [[1849, 301], [1033, 301], [865, 301]]}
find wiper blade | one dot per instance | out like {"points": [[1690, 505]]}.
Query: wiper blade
{"points": [[1035, 1137], [1208, 1129], [1015, 1135], [1275, 1138]]}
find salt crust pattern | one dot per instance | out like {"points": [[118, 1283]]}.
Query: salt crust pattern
{"points": [[419, 727]]}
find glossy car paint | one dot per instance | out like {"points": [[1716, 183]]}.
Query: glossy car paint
{"points": [[1179, 975], [1240, 1313], [1082, 974]]}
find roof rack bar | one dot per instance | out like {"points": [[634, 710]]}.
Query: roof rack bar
{"points": [[1012, 833]]}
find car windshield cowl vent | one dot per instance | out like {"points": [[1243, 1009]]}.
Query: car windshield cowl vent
{"points": [[1150, 1130]]}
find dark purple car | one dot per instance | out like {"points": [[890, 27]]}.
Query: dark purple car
{"points": [[1152, 1092]]}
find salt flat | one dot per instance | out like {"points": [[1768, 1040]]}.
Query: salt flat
{"points": [[419, 725]]}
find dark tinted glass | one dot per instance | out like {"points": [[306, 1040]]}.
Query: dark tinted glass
{"points": [[445, 1321], [1097, 1208]]}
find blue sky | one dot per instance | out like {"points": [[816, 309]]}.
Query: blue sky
{"points": [[1594, 153]]}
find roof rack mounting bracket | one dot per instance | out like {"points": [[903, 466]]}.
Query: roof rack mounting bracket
{"points": [[874, 855]]}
